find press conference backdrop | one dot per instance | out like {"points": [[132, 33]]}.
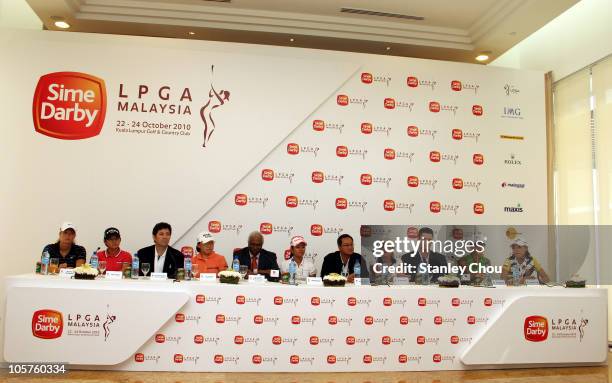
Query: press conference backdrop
{"points": [[128, 131]]}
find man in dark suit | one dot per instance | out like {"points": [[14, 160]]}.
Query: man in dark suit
{"points": [[343, 260], [161, 256], [259, 260], [424, 256]]}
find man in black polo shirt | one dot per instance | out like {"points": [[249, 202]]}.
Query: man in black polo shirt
{"points": [[343, 261], [65, 250]]}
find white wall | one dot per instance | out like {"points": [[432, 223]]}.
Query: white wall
{"points": [[18, 14], [575, 39]]}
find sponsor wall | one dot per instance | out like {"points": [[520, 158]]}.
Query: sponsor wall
{"points": [[128, 131]]}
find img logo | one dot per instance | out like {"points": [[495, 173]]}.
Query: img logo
{"points": [[69, 105], [47, 324], [535, 328]]}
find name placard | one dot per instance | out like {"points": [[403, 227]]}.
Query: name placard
{"points": [[159, 276], [257, 279], [66, 273], [113, 275], [314, 281], [208, 277]]}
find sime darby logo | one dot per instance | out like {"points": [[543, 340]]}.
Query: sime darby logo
{"points": [[321, 125], [295, 149], [478, 159], [479, 208], [436, 107], [47, 324], [344, 100], [389, 103], [414, 82], [242, 199], [343, 151], [217, 227], [535, 328], [369, 128], [369, 78], [69, 105], [477, 110]]}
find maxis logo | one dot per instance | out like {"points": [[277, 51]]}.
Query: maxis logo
{"points": [[69, 105], [535, 328], [47, 324]]}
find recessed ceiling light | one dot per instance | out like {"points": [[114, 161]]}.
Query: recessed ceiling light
{"points": [[292, 39], [388, 48], [62, 24], [191, 33], [482, 57]]}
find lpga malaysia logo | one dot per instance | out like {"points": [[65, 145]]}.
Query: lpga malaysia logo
{"points": [[414, 82], [201, 298], [343, 204], [267, 228], [201, 339], [295, 149], [352, 302], [181, 318], [317, 230], [343, 151], [260, 359], [391, 103], [414, 131], [438, 207], [271, 175], [459, 135], [460, 183], [344, 100], [243, 300], [299, 320], [511, 90], [368, 179], [318, 301], [241, 340], [69, 105], [223, 319], [436, 107], [405, 320], [315, 341], [279, 340], [391, 154], [319, 177], [180, 358], [162, 338], [293, 202], [369, 78], [536, 328], [243, 200], [334, 320], [440, 320], [391, 205], [369, 128], [259, 319], [435, 156], [320, 126], [458, 86], [217, 227], [49, 324], [415, 182]]}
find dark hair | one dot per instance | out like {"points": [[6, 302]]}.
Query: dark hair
{"points": [[161, 226], [340, 238], [425, 230]]}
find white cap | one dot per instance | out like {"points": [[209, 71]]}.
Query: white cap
{"points": [[205, 237], [519, 241], [67, 225], [297, 240]]}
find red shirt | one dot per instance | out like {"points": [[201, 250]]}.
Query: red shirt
{"points": [[114, 263]]}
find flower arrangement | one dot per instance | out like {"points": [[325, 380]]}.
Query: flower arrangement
{"points": [[229, 276], [335, 280], [85, 271]]}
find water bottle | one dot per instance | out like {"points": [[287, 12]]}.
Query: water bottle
{"points": [[357, 270], [236, 264], [425, 277], [45, 259], [188, 268], [93, 261], [135, 266], [515, 275], [292, 271]]}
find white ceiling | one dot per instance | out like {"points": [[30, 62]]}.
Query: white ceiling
{"points": [[455, 30]]}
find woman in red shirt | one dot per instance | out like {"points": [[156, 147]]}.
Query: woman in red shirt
{"points": [[113, 255]]}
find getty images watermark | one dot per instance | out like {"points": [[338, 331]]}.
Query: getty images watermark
{"points": [[425, 249]]}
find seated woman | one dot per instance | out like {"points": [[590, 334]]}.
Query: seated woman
{"points": [[69, 253], [474, 259], [114, 256], [524, 264], [304, 268], [207, 260]]}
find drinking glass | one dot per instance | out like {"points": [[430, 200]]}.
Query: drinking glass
{"points": [[244, 269], [54, 266], [195, 271], [102, 268], [145, 267]]}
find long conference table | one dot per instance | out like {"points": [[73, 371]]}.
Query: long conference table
{"points": [[144, 325]]}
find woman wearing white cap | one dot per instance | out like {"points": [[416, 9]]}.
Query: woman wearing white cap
{"points": [[304, 268], [207, 260], [65, 249], [524, 264]]}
